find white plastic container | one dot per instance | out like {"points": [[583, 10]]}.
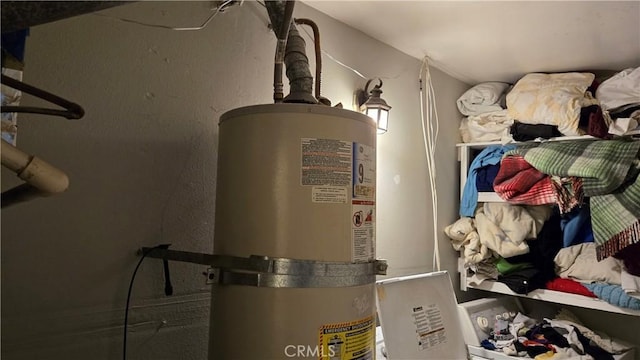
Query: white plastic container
{"points": [[420, 319]]}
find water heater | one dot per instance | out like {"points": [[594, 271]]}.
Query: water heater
{"points": [[295, 219]]}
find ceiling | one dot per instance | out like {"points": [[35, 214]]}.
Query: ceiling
{"points": [[473, 41], [480, 41]]}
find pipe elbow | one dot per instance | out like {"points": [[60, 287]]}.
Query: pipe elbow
{"points": [[45, 177]]}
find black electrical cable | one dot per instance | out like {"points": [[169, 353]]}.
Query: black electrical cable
{"points": [[126, 310]]}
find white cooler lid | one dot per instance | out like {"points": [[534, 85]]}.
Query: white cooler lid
{"points": [[419, 317]]}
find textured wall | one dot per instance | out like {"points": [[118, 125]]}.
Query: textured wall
{"points": [[142, 166]]}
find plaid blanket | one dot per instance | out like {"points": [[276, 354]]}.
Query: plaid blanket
{"points": [[609, 172], [518, 182]]}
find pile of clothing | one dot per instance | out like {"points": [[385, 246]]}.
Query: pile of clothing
{"points": [[563, 337], [542, 105]]}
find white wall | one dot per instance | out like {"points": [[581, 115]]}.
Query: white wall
{"points": [[142, 164]]}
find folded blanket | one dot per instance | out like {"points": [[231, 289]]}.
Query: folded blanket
{"points": [[482, 98], [552, 99], [614, 294], [491, 126], [609, 171], [520, 183]]}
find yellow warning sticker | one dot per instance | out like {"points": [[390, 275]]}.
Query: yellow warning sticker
{"points": [[353, 340]]}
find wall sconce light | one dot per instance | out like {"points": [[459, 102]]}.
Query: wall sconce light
{"points": [[371, 104]]}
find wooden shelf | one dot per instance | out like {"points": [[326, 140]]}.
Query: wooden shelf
{"points": [[557, 297], [489, 197]]}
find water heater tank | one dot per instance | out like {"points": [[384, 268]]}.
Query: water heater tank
{"points": [[295, 217]]}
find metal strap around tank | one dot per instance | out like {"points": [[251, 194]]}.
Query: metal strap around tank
{"points": [[292, 281], [263, 271]]}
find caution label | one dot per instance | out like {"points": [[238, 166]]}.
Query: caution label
{"points": [[363, 230], [429, 326], [329, 194], [349, 340]]}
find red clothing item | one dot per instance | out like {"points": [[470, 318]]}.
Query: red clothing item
{"points": [[519, 182], [569, 286]]}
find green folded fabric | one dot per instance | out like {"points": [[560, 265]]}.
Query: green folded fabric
{"points": [[505, 268]]}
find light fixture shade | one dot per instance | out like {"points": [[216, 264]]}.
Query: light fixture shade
{"points": [[377, 109], [381, 117]]}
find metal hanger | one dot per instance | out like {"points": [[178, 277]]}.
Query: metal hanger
{"points": [[72, 111]]}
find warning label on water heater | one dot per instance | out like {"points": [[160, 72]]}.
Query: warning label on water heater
{"points": [[329, 194], [348, 341], [363, 231], [326, 162], [363, 203]]}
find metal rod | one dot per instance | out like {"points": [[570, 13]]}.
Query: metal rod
{"points": [[183, 256]]}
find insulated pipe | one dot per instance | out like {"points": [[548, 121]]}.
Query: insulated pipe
{"points": [[295, 58], [297, 64], [34, 171], [318, 53]]}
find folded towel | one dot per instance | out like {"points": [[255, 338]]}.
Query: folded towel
{"points": [[482, 98], [614, 294]]}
